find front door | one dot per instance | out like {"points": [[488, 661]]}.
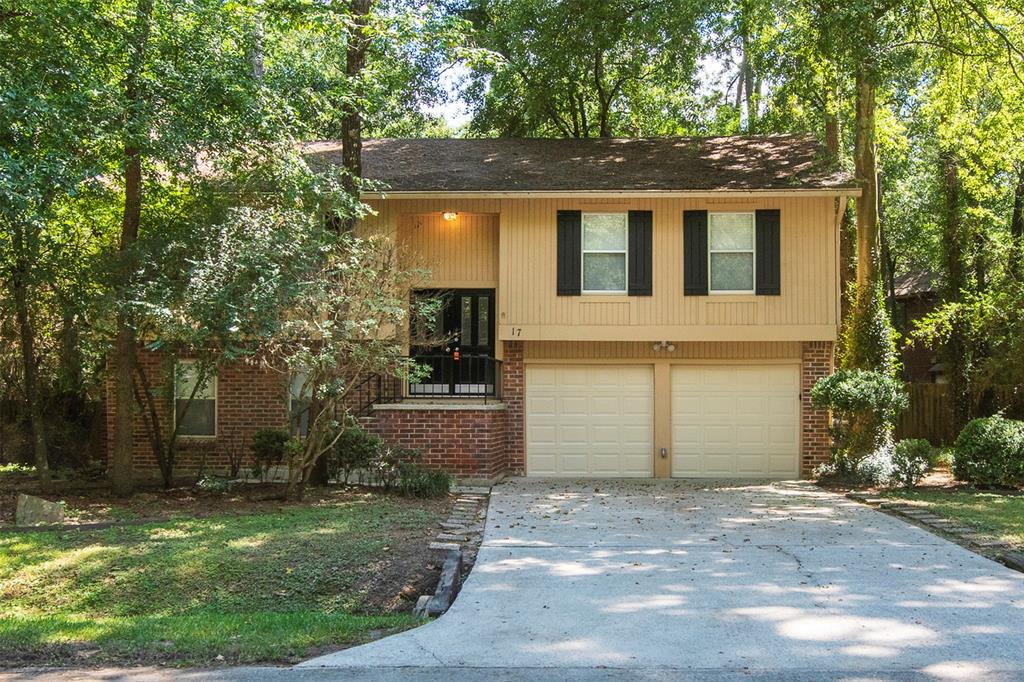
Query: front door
{"points": [[461, 361]]}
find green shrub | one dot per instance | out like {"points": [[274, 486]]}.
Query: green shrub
{"points": [[865, 405], [911, 458], [384, 467], [213, 484], [990, 451], [416, 481], [354, 450], [268, 449]]}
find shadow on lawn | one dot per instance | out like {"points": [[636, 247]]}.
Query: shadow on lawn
{"points": [[201, 578]]}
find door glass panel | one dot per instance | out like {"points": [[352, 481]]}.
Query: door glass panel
{"points": [[466, 333], [483, 323]]}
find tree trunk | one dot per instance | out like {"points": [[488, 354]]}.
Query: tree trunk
{"points": [[1016, 265], [866, 165], [954, 249], [352, 117], [29, 366], [847, 273], [136, 133], [867, 334], [124, 344], [888, 261]]}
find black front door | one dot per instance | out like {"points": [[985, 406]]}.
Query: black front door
{"points": [[461, 360]]}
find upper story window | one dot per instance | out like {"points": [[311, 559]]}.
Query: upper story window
{"points": [[604, 253], [198, 416], [731, 259]]}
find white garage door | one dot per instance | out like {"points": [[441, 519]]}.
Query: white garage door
{"points": [[589, 420], [735, 421]]}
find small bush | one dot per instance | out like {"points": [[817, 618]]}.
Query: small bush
{"points": [[354, 450], [865, 405], [887, 465], [910, 460], [416, 481], [268, 449], [990, 451], [213, 484], [384, 467], [876, 469]]}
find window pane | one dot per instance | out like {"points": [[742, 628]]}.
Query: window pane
{"points": [[732, 271], [604, 272], [604, 232], [466, 331], [199, 419], [732, 231], [186, 380], [483, 323], [298, 387]]}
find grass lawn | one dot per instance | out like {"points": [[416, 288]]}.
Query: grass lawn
{"points": [[269, 586], [996, 514]]}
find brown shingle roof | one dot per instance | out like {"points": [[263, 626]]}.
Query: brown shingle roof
{"points": [[769, 162], [915, 283]]}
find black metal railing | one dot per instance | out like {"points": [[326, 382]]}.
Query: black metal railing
{"points": [[464, 376], [469, 376], [372, 390]]}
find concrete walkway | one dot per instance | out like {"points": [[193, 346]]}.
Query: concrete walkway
{"points": [[712, 580]]}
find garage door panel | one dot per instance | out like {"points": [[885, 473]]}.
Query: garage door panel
{"points": [[601, 416], [735, 421]]}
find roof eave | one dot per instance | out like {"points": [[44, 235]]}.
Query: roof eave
{"points": [[621, 194]]}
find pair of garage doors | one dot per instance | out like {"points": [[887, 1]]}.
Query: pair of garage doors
{"points": [[730, 421]]}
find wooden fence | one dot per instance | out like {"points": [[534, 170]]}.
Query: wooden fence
{"points": [[928, 414]]}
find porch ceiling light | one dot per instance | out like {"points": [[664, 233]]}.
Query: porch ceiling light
{"points": [[449, 215]]}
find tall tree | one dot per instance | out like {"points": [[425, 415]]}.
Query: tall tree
{"points": [[51, 104], [352, 116], [573, 68], [188, 94]]}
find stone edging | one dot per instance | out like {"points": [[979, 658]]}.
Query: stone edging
{"points": [[960, 533], [460, 537]]}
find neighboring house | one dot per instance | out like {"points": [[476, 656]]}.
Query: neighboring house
{"points": [[619, 307], [917, 295]]}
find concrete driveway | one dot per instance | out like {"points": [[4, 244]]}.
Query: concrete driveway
{"points": [[710, 579]]}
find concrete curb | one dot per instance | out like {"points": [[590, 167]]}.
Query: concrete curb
{"points": [[460, 537], [961, 534]]}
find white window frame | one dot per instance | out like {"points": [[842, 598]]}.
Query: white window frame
{"points": [[752, 251], [584, 251], [212, 381]]}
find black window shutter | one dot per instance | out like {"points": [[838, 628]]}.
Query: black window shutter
{"points": [[768, 257], [695, 253], [640, 253], [570, 234]]}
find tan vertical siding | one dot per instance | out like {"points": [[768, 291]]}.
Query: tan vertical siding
{"points": [[528, 308], [627, 350]]}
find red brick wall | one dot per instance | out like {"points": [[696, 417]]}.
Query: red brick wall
{"points": [[468, 443], [249, 398], [513, 391], [815, 440]]}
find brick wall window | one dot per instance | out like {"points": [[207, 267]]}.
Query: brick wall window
{"points": [[198, 416]]}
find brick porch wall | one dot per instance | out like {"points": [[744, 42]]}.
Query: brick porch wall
{"points": [[249, 398], [513, 391], [815, 440], [466, 442]]}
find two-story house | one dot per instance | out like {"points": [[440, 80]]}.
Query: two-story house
{"points": [[615, 307]]}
